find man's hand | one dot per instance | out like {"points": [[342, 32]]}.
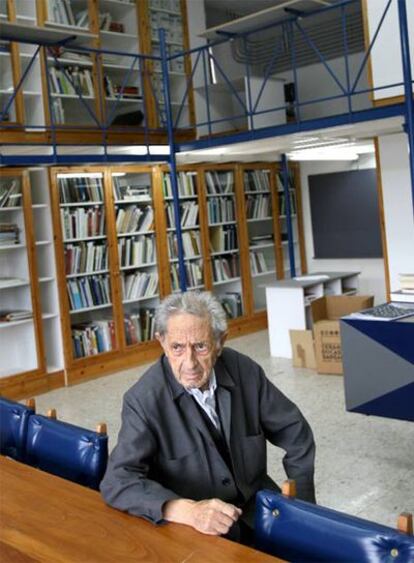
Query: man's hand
{"points": [[212, 516]]}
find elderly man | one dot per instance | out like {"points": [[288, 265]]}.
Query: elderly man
{"points": [[192, 446]]}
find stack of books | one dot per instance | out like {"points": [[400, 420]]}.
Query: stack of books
{"points": [[10, 315], [406, 291], [231, 303], [9, 234]]}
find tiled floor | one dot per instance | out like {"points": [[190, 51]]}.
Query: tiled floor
{"points": [[365, 465]]}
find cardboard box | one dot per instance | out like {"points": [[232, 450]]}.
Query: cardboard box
{"points": [[303, 353], [326, 313]]}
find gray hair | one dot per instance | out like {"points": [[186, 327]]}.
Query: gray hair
{"points": [[199, 303]]}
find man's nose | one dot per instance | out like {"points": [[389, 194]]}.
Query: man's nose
{"points": [[190, 355]]}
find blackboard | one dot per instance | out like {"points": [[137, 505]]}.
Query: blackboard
{"points": [[345, 215]]}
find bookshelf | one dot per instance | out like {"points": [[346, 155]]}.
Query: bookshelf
{"points": [[224, 238], [30, 338], [114, 88], [172, 16], [132, 193], [86, 296], [99, 252], [261, 212], [189, 198]]}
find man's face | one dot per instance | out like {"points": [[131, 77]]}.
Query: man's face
{"points": [[191, 349]]}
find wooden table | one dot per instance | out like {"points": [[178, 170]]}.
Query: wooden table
{"points": [[45, 518]]}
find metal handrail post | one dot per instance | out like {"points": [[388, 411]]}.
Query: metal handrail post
{"points": [[173, 164], [408, 86], [286, 191]]}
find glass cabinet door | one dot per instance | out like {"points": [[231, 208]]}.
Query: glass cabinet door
{"points": [[223, 240], [259, 218], [190, 230], [18, 345], [84, 233], [137, 253]]}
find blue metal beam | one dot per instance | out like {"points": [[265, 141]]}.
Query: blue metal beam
{"points": [[66, 160], [408, 90], [173, 168]]}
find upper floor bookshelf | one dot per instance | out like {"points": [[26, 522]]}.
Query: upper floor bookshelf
{"points": [[110, 86]]}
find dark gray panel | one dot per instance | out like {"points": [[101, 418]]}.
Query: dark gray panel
{"points": [[345, 216]]}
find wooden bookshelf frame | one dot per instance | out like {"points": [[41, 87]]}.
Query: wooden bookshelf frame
{"points": [[36, 380], [90, 134], [125, 356]]}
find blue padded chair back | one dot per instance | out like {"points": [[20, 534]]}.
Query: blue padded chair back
{"points": [[68, 451], [303, 532], [13, 428]]}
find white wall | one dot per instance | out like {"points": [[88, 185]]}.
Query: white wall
{"points": [[386, 53], [314, 82], [398, 205], [372, 269]]}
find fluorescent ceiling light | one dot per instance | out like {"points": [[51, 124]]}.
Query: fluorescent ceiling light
{"points": [[324, 154], [118, 174], [159, 149]]}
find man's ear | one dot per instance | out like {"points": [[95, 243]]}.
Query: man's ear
{"points": [[221, 342], [159, 338]]}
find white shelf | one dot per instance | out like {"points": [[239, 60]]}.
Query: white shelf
{"points": [[223, 223], [231, 280], [94, 308], [117, 35], [138, 266], [269, 272], [165, 11], [72, 62], [70, 240], [135, 233], [219, 252], [72, 96], [221, 195], [115, 3], [252, 192], [259, 246], [259, 219], [82, 204], [286, 242], [43, 242], [39, 206], [145, 298], [11, 209], [285, 216], [48, 316], [126, 100], [15, 323], [46, 279], [187, 258], [132, 201], [86, 274], [186, 228], [181, 197], [12, 246], [21, 283]]}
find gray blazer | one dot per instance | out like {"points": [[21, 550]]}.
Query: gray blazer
{"points": [[165, 450]]}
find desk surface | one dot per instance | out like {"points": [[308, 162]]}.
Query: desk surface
{"points": [[45, 518]]}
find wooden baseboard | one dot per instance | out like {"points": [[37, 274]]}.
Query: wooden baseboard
{"points": [[27, 384]]}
